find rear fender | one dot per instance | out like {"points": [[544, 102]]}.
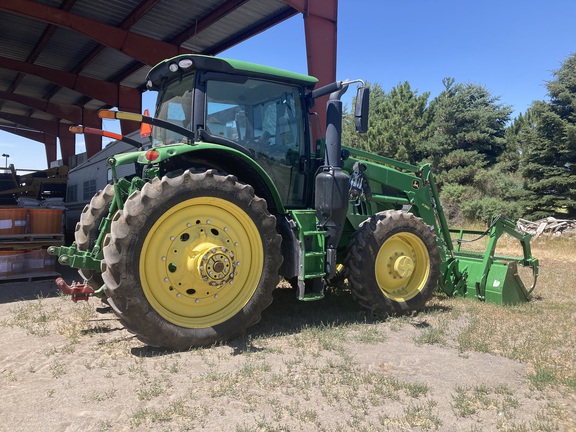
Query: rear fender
{"points": [[205, 155]]}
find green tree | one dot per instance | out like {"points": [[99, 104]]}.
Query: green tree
{"points": [[548, 145], [466, 132], [397, 121]]}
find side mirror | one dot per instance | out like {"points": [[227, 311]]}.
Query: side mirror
{"points": [[361, 109]]}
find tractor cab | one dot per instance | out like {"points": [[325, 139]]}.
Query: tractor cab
{"points": [[259, 111]]}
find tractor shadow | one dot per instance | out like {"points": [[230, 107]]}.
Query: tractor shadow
{"points": [[287, 315]]}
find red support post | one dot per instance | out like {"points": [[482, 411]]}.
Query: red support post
{"points": [[93, 142], [67, 142], [50, 145], [320, 28]]}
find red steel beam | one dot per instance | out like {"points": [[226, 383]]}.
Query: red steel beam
{"points": [[24, 133], [104, 91], [125, 100], [51, 150], [47, 126], [320, 27], [319, 21], [128, 100], [40, 45], [253, 31], [140, 10], [71, 113], [55, 128], [67, 140], [93, 142], [203, 23], [67, 6], [144, 49], [137, 13]]}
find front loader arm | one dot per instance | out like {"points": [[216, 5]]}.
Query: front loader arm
{"points": [[483, 275], [406, 185]]}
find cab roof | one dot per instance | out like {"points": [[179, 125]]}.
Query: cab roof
{"points": [[186, 63]]}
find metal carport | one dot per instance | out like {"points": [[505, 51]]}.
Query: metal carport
{"points": [[63, 60]]}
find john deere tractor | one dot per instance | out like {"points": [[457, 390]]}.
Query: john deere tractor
{"points": [[232, 193]]}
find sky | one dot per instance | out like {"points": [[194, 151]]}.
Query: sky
{"points": [[511, 47]]}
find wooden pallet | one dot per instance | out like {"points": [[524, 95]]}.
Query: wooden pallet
{"points": [[29, 277], [30, 241]]}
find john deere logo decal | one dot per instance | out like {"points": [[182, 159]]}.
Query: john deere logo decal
{"points": [[415, 184]]}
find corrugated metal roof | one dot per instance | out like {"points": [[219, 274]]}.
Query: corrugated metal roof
{"points": [[36, 54], [18, 36], [63, 52]]}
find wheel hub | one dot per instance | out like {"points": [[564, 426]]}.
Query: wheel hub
{"points": [[403, 266], [217, 266]]}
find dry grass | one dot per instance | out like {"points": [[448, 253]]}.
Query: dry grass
{"points": [[323, 366]]}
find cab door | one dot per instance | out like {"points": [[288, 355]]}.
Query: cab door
{"points": [[267, 118]]}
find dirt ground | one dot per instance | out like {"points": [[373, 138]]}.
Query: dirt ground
{"points": [[65, 367]]}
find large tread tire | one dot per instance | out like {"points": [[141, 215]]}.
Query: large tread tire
{"points": [[393, 263], [156, 279], [87, 230]]}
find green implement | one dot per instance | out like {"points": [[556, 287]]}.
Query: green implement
{"points": [[488, 276]]}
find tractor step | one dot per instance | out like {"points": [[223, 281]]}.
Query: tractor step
{"points": [[307, 297], [310, 289]]}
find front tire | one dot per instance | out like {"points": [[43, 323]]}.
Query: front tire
{"points": [[191, 260], [393, 263]]}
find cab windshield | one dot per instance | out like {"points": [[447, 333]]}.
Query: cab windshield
{"points": [[174, 104]]}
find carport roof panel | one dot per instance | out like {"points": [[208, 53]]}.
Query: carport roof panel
{"points": [[171, 18], [232, 27], [110, 12], [63, 52], [18, 36]]}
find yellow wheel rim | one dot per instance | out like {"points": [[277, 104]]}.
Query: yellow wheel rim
{"points": [[402, 266], [201, 262]]}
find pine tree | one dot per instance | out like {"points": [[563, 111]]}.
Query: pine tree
{"points": [[466, 131], [397, 121], [548, 145]]}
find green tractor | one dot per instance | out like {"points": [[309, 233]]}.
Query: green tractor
{"points": [[232, 194]]}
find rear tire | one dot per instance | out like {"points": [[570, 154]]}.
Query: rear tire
{"points": [[393, 263], [87, 230], [191, 260]]}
